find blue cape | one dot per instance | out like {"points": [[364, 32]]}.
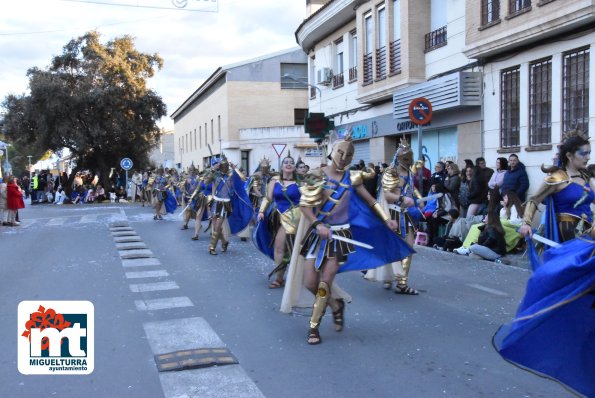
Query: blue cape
{"points": [[556, 337], [242, 210]]}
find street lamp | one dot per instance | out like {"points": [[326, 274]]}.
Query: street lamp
{"points": [[291, 77], [29, 156]]}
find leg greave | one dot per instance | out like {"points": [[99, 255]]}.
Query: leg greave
{"points": [[406, 264], [320, 304]]}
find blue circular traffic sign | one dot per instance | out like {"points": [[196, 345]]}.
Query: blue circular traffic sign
{"points": [[420, 111], [126, 163]]}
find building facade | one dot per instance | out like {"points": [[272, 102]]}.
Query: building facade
{"points": [[266, 92], [370, 59], [536, 62]]}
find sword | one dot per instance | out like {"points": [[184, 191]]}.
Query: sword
{"points": [[353, 242], [545, 241], [430, 197]]}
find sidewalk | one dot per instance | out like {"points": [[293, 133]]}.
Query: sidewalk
{"points": [[519, 260]]}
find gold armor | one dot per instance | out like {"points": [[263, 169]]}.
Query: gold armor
{"points": [[320, 304]]}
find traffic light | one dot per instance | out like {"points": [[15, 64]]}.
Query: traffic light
{"points": [[317, 126]]}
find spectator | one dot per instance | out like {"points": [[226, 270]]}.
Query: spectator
{"points": [[464, 191], [26, 185], [33, 184], [439, 174], [433, 212], [448, 241], [486, 171], [477, 192], [361, 165], [426, 175], [497, 178], [3, 208], [452, 185], [14, 200], [60, 196], [516, 178], [99, 193], [468, 163], [491, 244]]}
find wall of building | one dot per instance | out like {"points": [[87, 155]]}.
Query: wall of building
{"points": [[492, 98]]}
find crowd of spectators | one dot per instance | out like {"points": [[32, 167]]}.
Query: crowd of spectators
{"points": [[480, 208]]}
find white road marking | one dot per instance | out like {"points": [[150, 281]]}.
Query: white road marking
{"points": [[216, 382], [153, 287], [57, 221], [140, 262], [487, 289], [163, 303], [146, 274]]}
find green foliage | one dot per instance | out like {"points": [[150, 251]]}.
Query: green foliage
{"points": [[93, 99]]}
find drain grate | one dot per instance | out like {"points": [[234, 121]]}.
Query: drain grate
{"points": [[196, 358]]}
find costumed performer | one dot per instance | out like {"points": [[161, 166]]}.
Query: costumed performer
{"points": [[278, 219], [553, 334], [337, 214], [566, 192], [231, 205], [400, 196]]}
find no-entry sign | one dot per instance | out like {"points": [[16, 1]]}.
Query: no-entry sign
{"points": [[420, 111]]}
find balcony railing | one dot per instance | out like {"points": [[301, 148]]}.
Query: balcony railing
{"points": [[395, 57], [312, 92], [353, 74], [368, 74], [381, 62], [338, 80], [436, 39]]}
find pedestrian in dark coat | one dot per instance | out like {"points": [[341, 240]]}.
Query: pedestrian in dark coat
{"points": [[516, 178]]}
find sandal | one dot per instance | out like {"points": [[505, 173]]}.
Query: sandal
{"points": [[195, 237], [387, 285], [212, 251], [339, 316], [184, 227], [406, 289], [224, 246], [276, 284], [314, 336]]}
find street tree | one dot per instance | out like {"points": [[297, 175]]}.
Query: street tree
{"points": [[92, 99]]}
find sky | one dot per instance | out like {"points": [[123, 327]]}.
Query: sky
{"points": [[193, 44]]}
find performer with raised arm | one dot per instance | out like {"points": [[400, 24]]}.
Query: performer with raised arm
{"points": [[345, 230], [201, 200], [566, 192], [231, 205], [278, 218]]}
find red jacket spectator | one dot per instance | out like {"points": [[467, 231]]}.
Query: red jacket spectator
{"points": [[14, 196]]}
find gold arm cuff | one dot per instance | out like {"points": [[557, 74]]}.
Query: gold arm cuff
{"points": [[264, 204], [530, 209], [379, 211]]}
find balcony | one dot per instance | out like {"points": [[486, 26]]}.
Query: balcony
{"points": [[436, 39], [368, 73], [352, 74], [338, 80], [381, 63], [395, 57]]}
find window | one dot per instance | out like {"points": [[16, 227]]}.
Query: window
{"points": [[219, 126], [575, 106], [212, 132], [353, 55], [490, 11], [245, 156], [338, 67], [540, 102], [381, 48], [509, 108], [195, 141], [187, 146], [518, 5], [294, 76], [368, 47], [299, 115], [395, 45], [200, 135]]}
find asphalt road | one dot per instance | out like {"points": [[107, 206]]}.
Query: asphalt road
{"points": [[437, 344]]}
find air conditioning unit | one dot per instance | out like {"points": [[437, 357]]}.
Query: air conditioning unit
{"points": [[324, 76]]}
